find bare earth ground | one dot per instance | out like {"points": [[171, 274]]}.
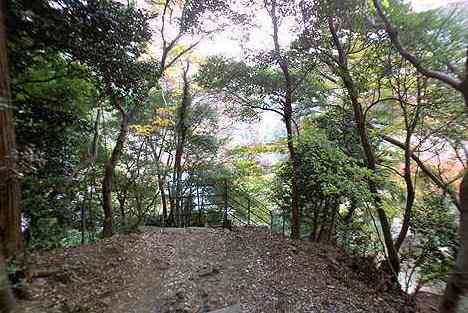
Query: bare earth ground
{"points": [[199, 270]]}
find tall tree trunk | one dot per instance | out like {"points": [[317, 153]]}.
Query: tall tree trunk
{"points": [[343, 72], [410, 188], [392, 253], [10, 233], [288, 119], [410, 195], [181, 129], [108, 181], [161, 178], [295, 192], [10, 225]]}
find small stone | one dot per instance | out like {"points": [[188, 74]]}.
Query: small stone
{"points": [[180, 294]]}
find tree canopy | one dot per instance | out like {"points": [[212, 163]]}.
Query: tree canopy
{"points": [[121, 114]]}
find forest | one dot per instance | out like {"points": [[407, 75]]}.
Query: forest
{"points": [[328, 132]]}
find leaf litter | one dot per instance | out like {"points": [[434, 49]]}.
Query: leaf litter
{"points": [[202, 270]]}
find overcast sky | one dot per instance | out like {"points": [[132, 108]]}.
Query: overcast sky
{"points": [[271, 125], [419, 5]]}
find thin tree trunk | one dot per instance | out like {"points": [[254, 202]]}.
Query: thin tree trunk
{"points": [[392, 253], [170, 218], [161, 178], [93, 151], [288, 118], [181, 135], [410, 189], [163, 198], [108, 181], [83, 221], [331, 228], [295, 192], [410, 195], [10, 217], [122, 200], [313, 233], [343, 72]]}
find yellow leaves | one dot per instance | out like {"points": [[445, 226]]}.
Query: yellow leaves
{"points": [[164, 112], [160, 122], [163, 118], [143, 130]]}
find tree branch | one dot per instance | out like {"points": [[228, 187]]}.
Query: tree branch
{"points": [[393, 34], [427, 171]]}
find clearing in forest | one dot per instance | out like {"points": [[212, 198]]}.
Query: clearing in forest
{"points": [[202, 270]]}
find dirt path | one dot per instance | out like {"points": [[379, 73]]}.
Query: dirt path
{"points": [[200, 270], [183, 273]]}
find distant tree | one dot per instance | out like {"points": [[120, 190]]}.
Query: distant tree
{"points": [[276, 80]]}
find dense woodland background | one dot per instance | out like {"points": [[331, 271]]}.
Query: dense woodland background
{"points": [[113, 113]]}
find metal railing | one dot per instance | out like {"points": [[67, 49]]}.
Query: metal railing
{"points": [[218, 203]]}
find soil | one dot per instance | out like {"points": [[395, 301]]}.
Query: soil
{"points": [[202, 270]]}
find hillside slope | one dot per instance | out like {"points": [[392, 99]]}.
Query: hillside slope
{"points": [[199, 270]]}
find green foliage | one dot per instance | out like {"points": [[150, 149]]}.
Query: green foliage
{"points": [[53, 120], [435, 240], [329, 179], [66, 58], [72, 238], [327, 171]]}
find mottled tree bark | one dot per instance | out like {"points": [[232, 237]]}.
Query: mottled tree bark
{"points": [[10, 231]]}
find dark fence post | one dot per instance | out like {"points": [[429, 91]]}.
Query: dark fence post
{"points": [[199, 207], [190, 208], [283, 215], [271, 220], [225, 203], [203, 206], [248, 210], [83, 223]]}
